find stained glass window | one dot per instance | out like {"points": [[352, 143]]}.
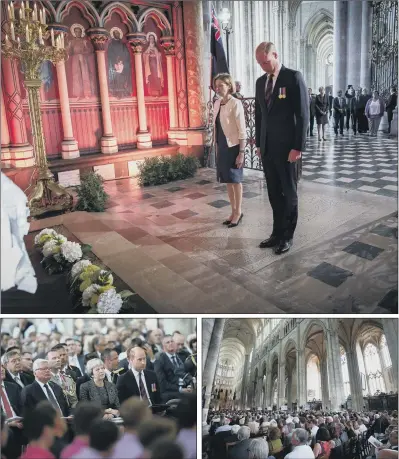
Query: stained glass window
{"points": [[385, 352], [373, 368], [345, 372]]}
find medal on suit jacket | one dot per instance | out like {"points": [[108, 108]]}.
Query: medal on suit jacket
{"points": [[153, 387], [282, 93]]}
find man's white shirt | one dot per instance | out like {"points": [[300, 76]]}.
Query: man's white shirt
{"points": [[137, 377], [301, 452]]}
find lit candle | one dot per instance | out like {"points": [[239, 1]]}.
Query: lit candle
{"points": [[40, 35], [34, 17], [12, 10], [19, 43], [62, 41], [22, 10], [12, 31], [52, 37], [7, 41], [9, 12], [27, 33], [41, 16], [44, 16]]}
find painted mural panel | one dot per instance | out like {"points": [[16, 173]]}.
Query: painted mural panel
{"points": [[119, 65], [154, 62]]}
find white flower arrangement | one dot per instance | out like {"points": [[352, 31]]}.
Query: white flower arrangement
{"points": [[78, 267], [71, 251], [109, 302], [50, 248], [88, 293], [44, 236]]}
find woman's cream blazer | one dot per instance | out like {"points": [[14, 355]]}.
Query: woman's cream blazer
{"points": [[232, 120]]}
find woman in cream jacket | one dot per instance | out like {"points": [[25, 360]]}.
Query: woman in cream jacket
{"points": [[230, 137]]}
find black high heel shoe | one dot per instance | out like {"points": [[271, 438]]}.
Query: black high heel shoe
{"points": [[233, 225], [227, 222]]}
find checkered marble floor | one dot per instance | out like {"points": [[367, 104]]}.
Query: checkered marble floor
{"points": [[358, 162]]}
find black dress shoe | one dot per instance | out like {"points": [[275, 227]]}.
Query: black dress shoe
{"points": [[233, 225], [269, 243], [283, 247]]}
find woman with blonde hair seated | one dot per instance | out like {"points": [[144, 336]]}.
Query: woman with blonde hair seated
{"points": [[230, 136]]}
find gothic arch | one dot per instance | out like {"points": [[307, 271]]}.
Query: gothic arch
{"points": [[289, 345], [86, 8], [160, 19], [50, 10], [123, 12], [312, 322], [319, 22]]}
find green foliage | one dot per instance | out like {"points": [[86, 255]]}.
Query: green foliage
{"points": [[91, 194], [160, 169]]}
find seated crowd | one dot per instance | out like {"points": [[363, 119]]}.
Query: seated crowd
{"points": [[132, 396], [309, 434]]}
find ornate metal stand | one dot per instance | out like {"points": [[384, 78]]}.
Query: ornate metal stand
{"points": [[26, 44]]}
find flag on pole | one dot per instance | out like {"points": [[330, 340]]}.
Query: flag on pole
{"points": [[219, 62]]}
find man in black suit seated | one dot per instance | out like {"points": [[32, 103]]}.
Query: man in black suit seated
{"points": [[154, 339], [27, 363], [69, 370], [181, 349], [74, 359], [111, 362], [169, 369], [44, 389], [312, 111], [281, 122], [14, 373], [138, 342], [138, 382]]}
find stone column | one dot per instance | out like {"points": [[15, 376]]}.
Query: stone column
{"points": [[169, 47], [137, 41], [211, 363], [21, 152], [180, 65], [194, 46], [355, 379], [100, 40], [207, 328], [325, 395], [5, 135], [340, 45], [69, 145], [244, 383], [338, 397], [365, 61], [354, 38], [281, 377], [391, 335], [289, 387]]}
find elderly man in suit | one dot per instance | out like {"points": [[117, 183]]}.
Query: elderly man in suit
{"points": [[240, 450], [138, 382], [169, 369], [340, 109], [44, 389], [14, 373], [281, 122], [66, 383]]}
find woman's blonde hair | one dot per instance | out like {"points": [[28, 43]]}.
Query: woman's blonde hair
{"points": [[227, 79]]}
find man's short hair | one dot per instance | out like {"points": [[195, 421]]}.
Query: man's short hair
{"points": [[90, 356], [259, 447], [84, 415], [265, 47], [37, 363], [156, 428], [244, 433], [301, 435], [9, 355], [103, 434], [36, 420], [163, 447], [134, 411], [107, 353]]}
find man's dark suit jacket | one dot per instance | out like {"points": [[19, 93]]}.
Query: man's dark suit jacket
{"points": [[392, 102], [13, 391], [81, 380], [283, 125], [312, 105], [337, 106], [355, 105], [73, 372], [26, 378], [167, 377], [33, 394], [127, 387], [239, 450]]}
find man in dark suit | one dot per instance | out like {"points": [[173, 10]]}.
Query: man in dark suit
{"points": [[111, 362], [73, 358], [181, 350], [44, 389], [138, 382], [69, 370], [340, 108], [330, 104], [349, 94], [391, 105], [14, 373], [312, 111], [355, 109], [154, 339], [169, 369], [281, 122]]}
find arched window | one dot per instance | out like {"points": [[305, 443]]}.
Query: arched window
{"points": [[386, 358], [345, 372], [372, 363], [313, 378]]}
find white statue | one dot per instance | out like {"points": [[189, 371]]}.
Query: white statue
{"points": [[16, 267]]}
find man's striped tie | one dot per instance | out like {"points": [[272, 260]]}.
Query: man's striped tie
{"points": [[269, 90]]}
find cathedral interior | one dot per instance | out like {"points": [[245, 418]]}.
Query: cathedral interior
{"points": [[300, 364]]}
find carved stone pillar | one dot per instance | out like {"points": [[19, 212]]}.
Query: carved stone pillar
{"points": [[100, 40], [365, 61], [69, 145], [354, 42], [391, 336], [244, 389], [21, 152], [340, 46], [137, 41], [169, 46], [180, 66], [355, 379], [5, 135]]}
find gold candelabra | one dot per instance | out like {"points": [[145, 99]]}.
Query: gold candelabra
{"points": [[25, 42]]}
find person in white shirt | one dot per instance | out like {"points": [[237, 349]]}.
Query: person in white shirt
{"points": [[314, 428], [301, 449]]}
